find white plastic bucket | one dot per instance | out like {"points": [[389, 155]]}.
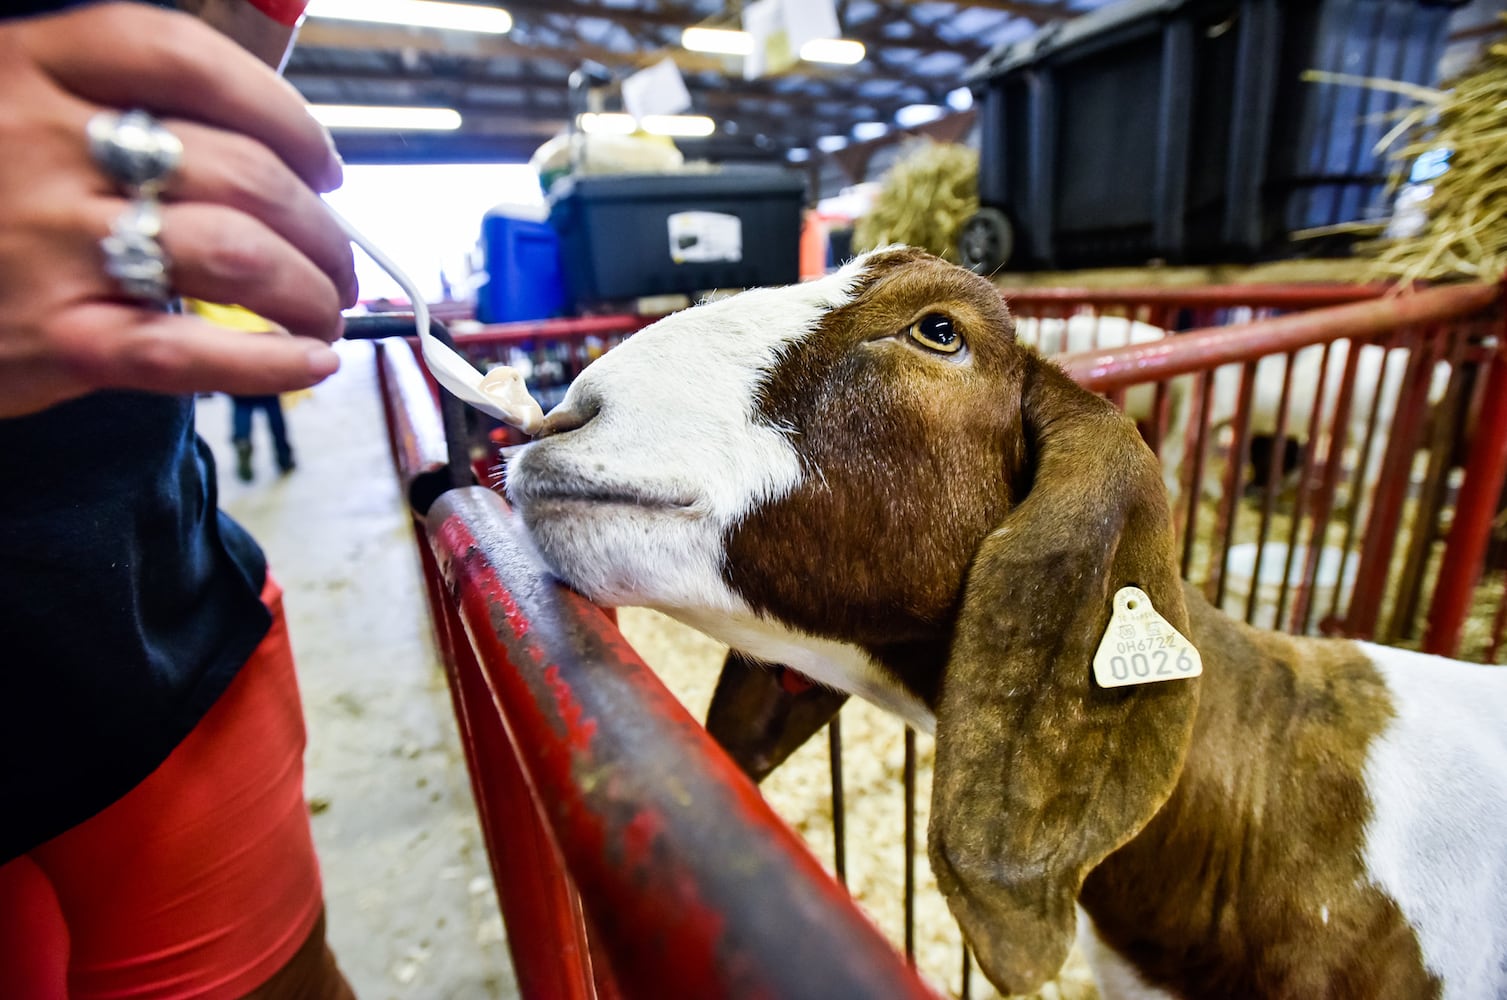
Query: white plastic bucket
{"points": [[1242, 565]]}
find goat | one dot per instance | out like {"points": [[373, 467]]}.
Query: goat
{"points": [[866, 478]]}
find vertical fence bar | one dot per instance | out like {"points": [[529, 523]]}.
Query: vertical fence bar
{"points": [[1192, 482], [1475, 509], [1274, 470], [1393, 483], [1234, 484], [1447, 424], [839, 812], [1306, 488], [909, 772], [1498, 623], [1334, 460]]}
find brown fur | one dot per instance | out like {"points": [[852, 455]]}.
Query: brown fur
{"points": [[1262, 833], [1000, 470], [1039, 772], [838, 556]]}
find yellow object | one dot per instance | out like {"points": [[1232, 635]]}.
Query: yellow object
{"points": [[246, 321], [230, 317]]}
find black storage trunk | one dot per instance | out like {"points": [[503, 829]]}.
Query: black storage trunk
{"points": [[1181, 129], [629, 235]]}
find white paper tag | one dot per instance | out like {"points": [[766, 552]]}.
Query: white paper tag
{"points": [[705, 237], [1141, 647]]}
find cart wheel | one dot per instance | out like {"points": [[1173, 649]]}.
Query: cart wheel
{"points": [[986, 242]]}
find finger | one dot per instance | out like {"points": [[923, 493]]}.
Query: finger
{"points": [[233, 170], [221, 255], [129, 55], [118, 346]]}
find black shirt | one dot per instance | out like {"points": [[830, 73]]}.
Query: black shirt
{"points": [[127, 603]]}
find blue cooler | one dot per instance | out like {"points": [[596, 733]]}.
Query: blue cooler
{"points": [[522, 260]]}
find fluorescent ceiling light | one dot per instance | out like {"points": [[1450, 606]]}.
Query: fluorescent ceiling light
{"points": [[618, 123], [864, 131], [917, 114], [831, 143], [417, 14], [722, 41], [798, 154], [371, 116], [607, 123], [843, 51], [678, 125], [960, 99]]}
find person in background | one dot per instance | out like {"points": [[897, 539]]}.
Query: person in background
{"points": [[243, 408], [154, 839]]}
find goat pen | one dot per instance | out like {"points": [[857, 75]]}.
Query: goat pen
{"points": [[632, 859]]}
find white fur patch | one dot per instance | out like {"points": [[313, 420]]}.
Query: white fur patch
{"points": [[1437, 839], [834, 664], [677, 421], [1117, 978]]}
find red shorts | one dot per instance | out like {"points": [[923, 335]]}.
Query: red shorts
{"points": [[201, 882]]}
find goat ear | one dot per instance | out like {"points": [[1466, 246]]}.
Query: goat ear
{"points": [[1040, 773], [761, 713]]}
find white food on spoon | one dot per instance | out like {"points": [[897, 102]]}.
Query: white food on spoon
{"points": [[500, 393], [504, 386]]}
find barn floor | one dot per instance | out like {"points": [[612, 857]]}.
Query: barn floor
{"points": [[412, 912]]}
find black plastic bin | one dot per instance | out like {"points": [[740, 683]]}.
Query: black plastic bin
{"points": [[1182, 130], [624, 236]]}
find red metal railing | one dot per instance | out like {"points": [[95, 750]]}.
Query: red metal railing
{"points": [[1452, 327], [631, 858], [603, 803]]}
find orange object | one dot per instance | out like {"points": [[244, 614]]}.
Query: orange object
{"points": [[201, 881], [813, 245]]}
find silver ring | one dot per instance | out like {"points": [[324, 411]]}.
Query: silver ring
{"points": [[133, 257], [134, 149]]}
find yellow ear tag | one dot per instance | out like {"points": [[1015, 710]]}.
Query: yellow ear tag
{"points": [[1141, 647]]}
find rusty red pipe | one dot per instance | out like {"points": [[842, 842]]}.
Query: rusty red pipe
{"points": [[552, 329], [1285, 296], [1200, 350], [1475, 510], [691, 883], [415, 433]]}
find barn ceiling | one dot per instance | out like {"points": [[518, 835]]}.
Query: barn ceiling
{"points": [[512, 91]]}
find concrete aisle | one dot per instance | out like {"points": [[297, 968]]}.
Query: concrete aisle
{"points": [[412, 912]]}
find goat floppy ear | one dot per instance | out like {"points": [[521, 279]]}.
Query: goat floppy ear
{"points": [[1040, 773]]}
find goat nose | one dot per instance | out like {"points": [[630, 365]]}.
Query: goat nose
{"points": [[568, 418]]}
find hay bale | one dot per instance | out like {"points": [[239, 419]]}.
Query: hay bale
{"points": [[923, 201], [1465, 235]]}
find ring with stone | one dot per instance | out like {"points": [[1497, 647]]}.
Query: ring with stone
{"points": [[133, 257], [134, 149]]}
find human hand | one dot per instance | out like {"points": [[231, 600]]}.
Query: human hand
{"points": [[241, 220]]}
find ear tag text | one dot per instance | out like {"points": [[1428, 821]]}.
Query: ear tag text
{"points": [[1141, 647]]}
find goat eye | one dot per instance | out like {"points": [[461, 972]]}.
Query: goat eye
{"points": [[935, 331]]}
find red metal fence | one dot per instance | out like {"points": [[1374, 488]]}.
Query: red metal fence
{"points": [[1379, 480], [632, 859]]}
